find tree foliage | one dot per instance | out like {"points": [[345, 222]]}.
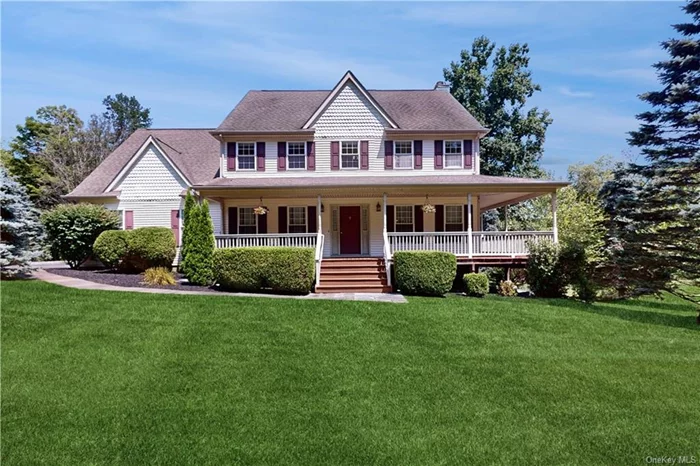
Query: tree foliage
{"points": [[20, 229], [124, 115], [198, 243], [494, 84], [654, 206]]}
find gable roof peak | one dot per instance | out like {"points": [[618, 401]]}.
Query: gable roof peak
{"points": [[349, 77]]}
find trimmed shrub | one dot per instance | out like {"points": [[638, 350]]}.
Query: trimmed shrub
{"points": [[283, 270], [150, 247], [544, 273], [197, 264], [424, 273], [111, 247], [158, 276], [71, 230], [507, 288], [477, 284], [190, 204]]}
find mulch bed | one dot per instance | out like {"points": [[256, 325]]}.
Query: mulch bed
{"points": [[133, 280]]}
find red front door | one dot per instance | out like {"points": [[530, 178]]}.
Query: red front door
{"points": [[350, 230]]}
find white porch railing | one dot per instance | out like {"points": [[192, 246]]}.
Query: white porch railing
{"points": [[485, 243], [296, 240]]}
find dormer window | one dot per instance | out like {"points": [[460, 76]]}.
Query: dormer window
{"points": [[403, 153], [245, 155], [296, 155], [453, 154]]}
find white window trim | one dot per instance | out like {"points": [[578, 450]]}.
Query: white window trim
{"points": [[461, 153], [255, 157], [413, 217], [444, 223], [306, 218], [238, 221], [359, 155], [413, 156], [297, 155]]}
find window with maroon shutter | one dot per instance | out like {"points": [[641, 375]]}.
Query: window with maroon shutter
{"points": [[453, 154], [335, 155], [245, 156], [418, 154], [467, 153], [388, 155], [404, 219], [454, 218], [297, 216], [247, 221], [231, 156], [311, 156], [364, 155], [438, 155], [261, 156], [281, 156]]}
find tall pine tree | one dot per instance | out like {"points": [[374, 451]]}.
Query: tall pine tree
{"points": [[654, 207]]}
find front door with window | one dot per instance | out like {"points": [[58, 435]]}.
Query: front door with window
{"points": [[350, 230]]}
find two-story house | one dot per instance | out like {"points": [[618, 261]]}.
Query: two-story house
{"points": [[356, 174]]}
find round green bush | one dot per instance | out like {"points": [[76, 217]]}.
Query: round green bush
{"points": [[424, 273], [151, 247], [111, 247], [477, 284]]}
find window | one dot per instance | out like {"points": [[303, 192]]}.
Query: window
{"points": [[246, 155], [297, 220], [296, 155], [453, 154], [403, 153], [404, 218], [454, 218], [350, 154], [247, 221]]}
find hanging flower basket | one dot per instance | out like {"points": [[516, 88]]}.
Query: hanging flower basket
{"points": [[428, 208], [260, 210]]}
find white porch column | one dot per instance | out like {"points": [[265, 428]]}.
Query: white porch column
{"points": [[555, 228], [469, 225], [319, 214]]}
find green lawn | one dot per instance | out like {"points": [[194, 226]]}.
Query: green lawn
{"points": [[93, 377]]}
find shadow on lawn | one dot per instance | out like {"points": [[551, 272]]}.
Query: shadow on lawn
{"points": [[630, 311]]}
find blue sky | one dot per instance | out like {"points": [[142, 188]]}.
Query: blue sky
{"points": [[192, 62]]}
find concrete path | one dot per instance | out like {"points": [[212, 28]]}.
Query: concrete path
{"points": [[88, 285], [50, 265]]}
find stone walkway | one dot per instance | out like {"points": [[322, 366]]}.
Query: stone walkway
{"points": [[88, 285]]}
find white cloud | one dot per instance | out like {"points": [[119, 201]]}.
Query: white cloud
{"points": [[564, 90]]}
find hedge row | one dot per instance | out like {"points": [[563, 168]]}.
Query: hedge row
{"points": [[283, 270], [137, 250], [427, 273]]}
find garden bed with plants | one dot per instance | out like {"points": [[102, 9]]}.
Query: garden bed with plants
{"points": [[131, 280]]}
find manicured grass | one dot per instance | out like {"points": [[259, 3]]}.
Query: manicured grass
{"points": [[93, 377]]}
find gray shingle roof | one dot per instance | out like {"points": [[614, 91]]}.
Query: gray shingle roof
{"points": [[195, 152], [413, 110]]}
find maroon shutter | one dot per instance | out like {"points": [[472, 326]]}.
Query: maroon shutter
{"points": [[281, 156], [364, 155], [311, 226], [310, 156], [261, 156], [438, 155], [335, 155], [129, 220], [440, 217], [390, 218], [418, 219], [231, 156], [465, 217], [262, 224], [233, 220], [282, 219], [388, 155], [175, 224], [467, 153], [418, 154]]}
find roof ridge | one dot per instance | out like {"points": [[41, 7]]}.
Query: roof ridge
{"points": [[177, 129]]}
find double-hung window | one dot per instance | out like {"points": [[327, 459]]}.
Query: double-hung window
{"points": [[296, 155], [297, 220], [403, 153], [403, 218], [453, 154], [247, 221], [246, 155], [350, 154], [454, 218]]}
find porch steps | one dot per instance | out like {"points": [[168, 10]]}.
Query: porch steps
{"points": [[353, 275]]}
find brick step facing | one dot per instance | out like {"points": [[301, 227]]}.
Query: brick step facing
{"points": [[353, 275]]}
